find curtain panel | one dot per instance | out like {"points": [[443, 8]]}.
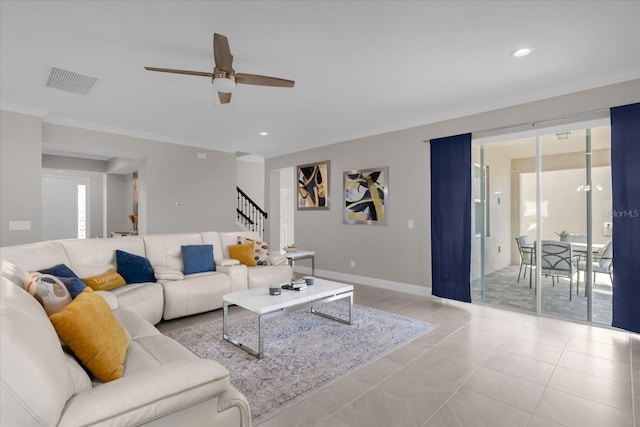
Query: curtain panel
{"points": [[625, 182], [451, 217]]}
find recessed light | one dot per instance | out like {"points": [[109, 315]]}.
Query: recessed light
{"points": [[263, 133], [519, 53]]}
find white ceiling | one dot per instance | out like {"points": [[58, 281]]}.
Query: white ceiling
{"points": [[361, 67]]}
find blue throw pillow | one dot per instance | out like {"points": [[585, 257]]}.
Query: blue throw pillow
{"points": [[134, 268], [71, 281], [60, 270], [197, 258], [74, 285]]}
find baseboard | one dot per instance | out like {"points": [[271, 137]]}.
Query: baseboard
{"points": [[369, 281]]}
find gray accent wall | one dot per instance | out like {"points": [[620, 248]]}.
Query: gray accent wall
{"points": [[168, 174], [394, 255], [20, 177]]}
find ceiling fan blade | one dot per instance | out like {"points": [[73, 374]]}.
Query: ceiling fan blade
{"points": [[255, 79], [221, 53], [225, 98], [188, 72]]}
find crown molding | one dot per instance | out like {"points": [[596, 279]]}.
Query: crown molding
{"points": [[23, 109], [62, 121]]}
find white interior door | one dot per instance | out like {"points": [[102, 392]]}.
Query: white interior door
{"points": [[60, 207], [285, 206]]}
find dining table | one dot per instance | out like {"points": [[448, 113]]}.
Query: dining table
{"points": [[582, 247]]}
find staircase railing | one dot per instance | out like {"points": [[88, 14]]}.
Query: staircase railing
{"points": [[249, 214]]}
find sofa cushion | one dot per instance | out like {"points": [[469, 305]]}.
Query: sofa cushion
{"points": [[243, 253], [48, 290], [95, 336], [165, 249], [146, 299], [36, 383], [162, 272], [197, 259], [106, 281], [260, 250], [134, 268]]}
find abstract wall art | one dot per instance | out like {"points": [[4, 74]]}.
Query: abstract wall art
{"points": [[313, 186], [366, 196]]}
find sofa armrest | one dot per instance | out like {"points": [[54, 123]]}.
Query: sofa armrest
{"points": [[277, 259], [163, 272], [148, 395], [227, 262]]}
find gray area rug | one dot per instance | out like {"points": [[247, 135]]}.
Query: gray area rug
{"points": [[302, 351]]}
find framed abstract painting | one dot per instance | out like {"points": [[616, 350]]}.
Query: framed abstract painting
{"points": [[366, 194], [313, 185]]}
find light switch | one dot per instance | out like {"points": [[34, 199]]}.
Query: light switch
{"points": [[19, 225], [410, 223]]}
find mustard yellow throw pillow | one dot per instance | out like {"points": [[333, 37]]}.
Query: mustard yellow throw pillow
{"points": [[243, 253], [105, 281], [94, 334]]}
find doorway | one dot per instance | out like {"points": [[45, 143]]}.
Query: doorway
{"points": [[65, 207], [548, 190], [287, 201]]}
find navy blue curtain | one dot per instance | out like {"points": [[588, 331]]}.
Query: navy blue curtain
{"points": [[451, 217], [625, 183]]}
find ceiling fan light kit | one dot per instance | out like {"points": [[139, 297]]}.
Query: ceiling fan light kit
{"points": [[224, 83], [224, 78]]}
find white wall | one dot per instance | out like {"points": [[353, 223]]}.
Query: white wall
{"points": [[250, 179], [566, 207]]}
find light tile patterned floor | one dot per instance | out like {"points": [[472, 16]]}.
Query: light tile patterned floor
{"points": [[481, 367]]}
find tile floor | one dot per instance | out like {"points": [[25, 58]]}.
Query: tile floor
{"points": [[482, 366]]}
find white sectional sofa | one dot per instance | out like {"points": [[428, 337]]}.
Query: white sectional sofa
{"points": [[163, 382], [174, 294]]}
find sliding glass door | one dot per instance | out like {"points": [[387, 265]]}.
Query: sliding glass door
{"points": [[548, 194]]}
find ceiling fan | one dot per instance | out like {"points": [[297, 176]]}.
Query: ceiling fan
{"points": [[224, 77]]}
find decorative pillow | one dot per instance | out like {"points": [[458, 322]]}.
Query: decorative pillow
{"points": [[197, 259], [105, 281], [95, 336], [48, 290], [243, 253], [134, 268], [60, 270], [74, 285], [68, 277], [260, 250]]}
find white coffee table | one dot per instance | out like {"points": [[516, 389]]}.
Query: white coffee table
{"points": [[294, 255], [267, 306]]}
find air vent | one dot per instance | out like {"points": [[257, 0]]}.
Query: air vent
{"points": [[69, 81]]}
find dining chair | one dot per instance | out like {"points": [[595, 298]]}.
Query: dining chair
{"points": [[602, 262], [556, 260], [525, 248]]}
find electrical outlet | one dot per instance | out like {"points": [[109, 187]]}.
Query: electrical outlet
{"points": [[353, 264]]}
